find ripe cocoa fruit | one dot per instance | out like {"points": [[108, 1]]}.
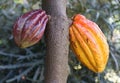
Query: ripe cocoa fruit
{"points": [[29, 28], [89, 43]]}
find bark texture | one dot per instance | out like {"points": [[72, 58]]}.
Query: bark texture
{"points": [[57, 42]]}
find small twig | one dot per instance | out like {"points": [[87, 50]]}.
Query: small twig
{"points": [[10, 55], [36, 73], [20, 65], [115, 60], [30, 56], [20, 56], [6, 77], [19, 76], [41, 77]]}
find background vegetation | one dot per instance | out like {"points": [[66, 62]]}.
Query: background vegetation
{"points": [[27, 65]]}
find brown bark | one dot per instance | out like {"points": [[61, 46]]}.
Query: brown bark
{"points": [[56, 68]]}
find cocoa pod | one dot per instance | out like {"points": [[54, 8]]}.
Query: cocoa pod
{"points": [[29, 28], [89, 43]]}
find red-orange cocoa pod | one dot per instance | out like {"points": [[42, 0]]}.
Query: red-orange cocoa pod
{"points": [[89, 43]]}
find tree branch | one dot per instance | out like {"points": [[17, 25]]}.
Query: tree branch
{"points": [[56, 68]]}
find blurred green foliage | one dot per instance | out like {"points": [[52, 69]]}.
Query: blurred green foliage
{"points": [[27, 65]]}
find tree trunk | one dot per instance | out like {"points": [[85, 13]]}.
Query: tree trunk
{"points": [[57, 42]]}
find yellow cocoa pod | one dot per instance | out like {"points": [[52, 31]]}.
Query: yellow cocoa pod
{"points": [[89, 43]]}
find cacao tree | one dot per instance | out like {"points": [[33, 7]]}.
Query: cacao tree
{"points": [[57, 37], [27, 65]]}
